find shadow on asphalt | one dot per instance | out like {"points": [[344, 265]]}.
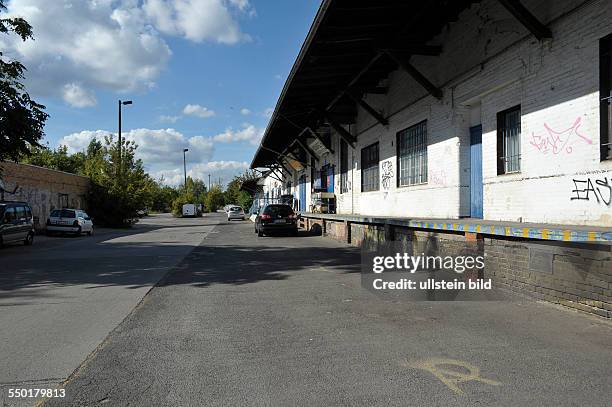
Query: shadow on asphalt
{"points": [[238, 265], [255, 259]]}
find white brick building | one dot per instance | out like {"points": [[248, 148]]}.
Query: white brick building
{"points": [[544, 131]]}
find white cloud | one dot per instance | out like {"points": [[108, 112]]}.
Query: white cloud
{"points": [[76, 96], [169, 119], [157, 148], [86, 45], [199, 111], [198, 20], [115, 45], [248, 133], [245, 112], [268, 112]]}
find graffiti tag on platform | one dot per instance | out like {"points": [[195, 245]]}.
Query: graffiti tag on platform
{"points": [[559, 141], [387, 174], [453, 372], [586, 189]]}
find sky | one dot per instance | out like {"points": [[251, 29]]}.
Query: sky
{"points": [[202, 74]]}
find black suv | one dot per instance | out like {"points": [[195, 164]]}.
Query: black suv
{"points": [[276, 218], [16, 223]]}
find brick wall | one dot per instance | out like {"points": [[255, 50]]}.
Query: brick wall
{"points": [[44, 189], [574, 275]]}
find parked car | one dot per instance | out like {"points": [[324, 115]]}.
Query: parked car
{"points": [[276, 218], [16, 223], [69, 221], [235, 212]]}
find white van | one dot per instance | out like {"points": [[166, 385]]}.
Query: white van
{"points": [[189, 210]]}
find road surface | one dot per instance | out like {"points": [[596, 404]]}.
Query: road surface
{"points": [[60, 298], [279, 321]]}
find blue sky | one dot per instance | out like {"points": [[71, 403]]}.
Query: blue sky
{"points": [[203, 74]]}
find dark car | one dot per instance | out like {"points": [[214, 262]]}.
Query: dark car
{"points": [[16, 223], [276, 218]]}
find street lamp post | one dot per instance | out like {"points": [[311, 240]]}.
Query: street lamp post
{"points": [[121, 103], [209, 182], [185, 166]]}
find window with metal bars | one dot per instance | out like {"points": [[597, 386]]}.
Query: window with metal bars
{"points": [[605, 95], [369, 168], [343, 166], [509, 141], [412, 155]]}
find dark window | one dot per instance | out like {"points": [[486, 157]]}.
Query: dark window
{"points": [[9, 215], [62, 213], [369, 168], [605, 93], [412, 155], [344, 166], [28, 212], [20, 212], [509, 140], [278, 210]]}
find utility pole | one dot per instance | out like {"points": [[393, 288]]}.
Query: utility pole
{"points": [[209, 182]]}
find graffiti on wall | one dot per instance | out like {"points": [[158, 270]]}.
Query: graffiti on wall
{"points": [[387, 174], [559, 141], [598, 188], [438, 178]]}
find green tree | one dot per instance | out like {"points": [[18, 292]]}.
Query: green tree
{"points": [[22, 119], [214, 199], [116, 197]]}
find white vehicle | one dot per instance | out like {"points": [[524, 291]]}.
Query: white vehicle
{"points": [[70, 221], [235, 212], [189, 210]]}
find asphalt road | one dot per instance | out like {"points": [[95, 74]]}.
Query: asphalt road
{"points": [[279, 321], [60, 298]]}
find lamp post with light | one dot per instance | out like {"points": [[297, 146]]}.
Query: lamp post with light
{"points": [[121, 103], [185, 166]]}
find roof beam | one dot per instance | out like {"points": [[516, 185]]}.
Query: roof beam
{"points": [[305, 146], [318, 137], [524, 16], [373, 112], [416, 75], [284, 168], [348, 137], [354, 80]]}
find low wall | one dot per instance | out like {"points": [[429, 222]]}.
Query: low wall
{"points": [[577, 275], [44, 189]]}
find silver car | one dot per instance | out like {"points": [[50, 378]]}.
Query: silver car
{"points": [[235, 212]]}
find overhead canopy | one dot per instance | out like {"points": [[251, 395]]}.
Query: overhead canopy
{"points": [[351, 46]]}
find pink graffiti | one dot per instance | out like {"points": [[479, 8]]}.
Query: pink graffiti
{"points": [[438, 178], [558, 141]]}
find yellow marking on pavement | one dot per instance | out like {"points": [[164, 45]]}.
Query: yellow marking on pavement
{"points": [[441, 368]]}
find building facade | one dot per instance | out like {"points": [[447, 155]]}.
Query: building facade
{"points": [[44, 189], [519, 132]]}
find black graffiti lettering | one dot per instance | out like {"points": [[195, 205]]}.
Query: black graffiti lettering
{"points": [[604, 183], [582, 194], [585, 189]]}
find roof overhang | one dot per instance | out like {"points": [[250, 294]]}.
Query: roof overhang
{"points": [[350, 48]]}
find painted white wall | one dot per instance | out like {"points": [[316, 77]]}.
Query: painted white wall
{"points": [[490, 63]]}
